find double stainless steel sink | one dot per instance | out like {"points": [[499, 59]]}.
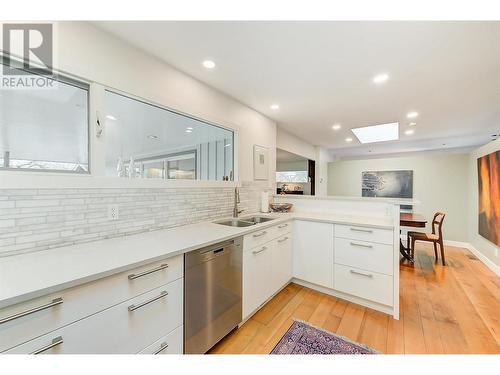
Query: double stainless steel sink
{"points": [[245, 221]]}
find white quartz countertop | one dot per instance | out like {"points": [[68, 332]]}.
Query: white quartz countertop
{"points": [[397, 201], [32, 275]]}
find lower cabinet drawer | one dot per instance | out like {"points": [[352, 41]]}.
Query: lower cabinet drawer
{"points": [[126, 328], [259, 238], [283, 228], [365, 284], [171, 343], [365, 255], [59, 309], [365, 233]]}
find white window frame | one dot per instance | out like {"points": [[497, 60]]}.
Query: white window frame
{"points": [[13, 179]]}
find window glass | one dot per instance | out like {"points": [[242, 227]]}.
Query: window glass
{"points": [[296, 176], [45, 129], [146, 141]]}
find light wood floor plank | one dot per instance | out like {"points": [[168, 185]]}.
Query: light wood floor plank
{"points": [[443, 309]]}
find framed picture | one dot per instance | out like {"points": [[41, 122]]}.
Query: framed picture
{"points": [[488, 168], [388, 184], [260, 163]]}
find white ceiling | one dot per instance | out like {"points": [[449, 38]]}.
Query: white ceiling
{"points": [[321, 73], [283, 156]]}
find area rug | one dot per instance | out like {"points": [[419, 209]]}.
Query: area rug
{"points": [[302, 338]]}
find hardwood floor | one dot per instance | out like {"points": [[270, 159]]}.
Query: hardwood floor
{"points": [[453, 309]]}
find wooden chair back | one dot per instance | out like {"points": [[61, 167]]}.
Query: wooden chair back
{"points": [[437, 224]]}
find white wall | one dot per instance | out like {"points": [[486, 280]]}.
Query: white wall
{"points": [[323, 157], [289, 142], [440, 183], [485, 247], [291, 166], [90, 53]]}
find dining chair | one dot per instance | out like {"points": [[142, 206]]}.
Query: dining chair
{"points": [[436, 237]]}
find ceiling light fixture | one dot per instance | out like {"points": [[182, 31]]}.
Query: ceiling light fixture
{"points": [[412, 115], [189, 130], [409, 132], [110, 117], [377, 133], [412, 124], [152, 136], [348, 139], [209, 64], [380, 78], [336, 126], [275, 106]]}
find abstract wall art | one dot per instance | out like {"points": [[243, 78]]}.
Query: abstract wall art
{"points": [[388, 184], [488, 168]]}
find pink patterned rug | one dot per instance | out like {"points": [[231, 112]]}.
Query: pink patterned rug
{"points": [[302, 338]]}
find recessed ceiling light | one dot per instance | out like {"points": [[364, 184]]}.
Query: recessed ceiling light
{"points": [[412, 124], [336, 126], [152, 136], [380, 78], [110, 117], [209, 64], [275, 106], [409, 132], [377, 133], [189, 130], [348, 139], [412, 115]]}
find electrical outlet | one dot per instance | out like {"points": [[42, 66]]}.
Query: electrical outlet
{"points": [[113, 212]]}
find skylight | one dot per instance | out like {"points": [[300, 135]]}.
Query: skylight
{"points": [[377, 133]]}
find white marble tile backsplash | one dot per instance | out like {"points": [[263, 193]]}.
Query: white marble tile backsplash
{"points": [[39, 219]]}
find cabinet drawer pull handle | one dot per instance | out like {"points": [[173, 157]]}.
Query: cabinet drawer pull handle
{"points": [[361, 273], [362, 230], [283, 240], [361, 245], [135, 307], [133, 276], [57, 341], [259, 235], [259, 251], [55, 302], [162, 347], [282, 226]]}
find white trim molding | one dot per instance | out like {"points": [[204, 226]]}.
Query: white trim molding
{"points": [[488, 263], [47, 180]]}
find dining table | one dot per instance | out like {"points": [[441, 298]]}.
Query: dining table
{"points": [[412, 220]]}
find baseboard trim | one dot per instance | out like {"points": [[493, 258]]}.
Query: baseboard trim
{"points": [[466, 245], [487, 262]]}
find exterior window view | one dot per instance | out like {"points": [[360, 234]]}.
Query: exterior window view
{"points": [[269, 182]]}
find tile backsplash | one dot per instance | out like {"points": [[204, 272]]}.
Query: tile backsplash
{"points": [[39, 219]]}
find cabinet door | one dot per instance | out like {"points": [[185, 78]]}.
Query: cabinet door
{"points": [[256, 277], [313, 252], [282, 262]]}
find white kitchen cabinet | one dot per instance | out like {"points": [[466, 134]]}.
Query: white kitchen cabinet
{"points": [[84, 300], [257, 276], [168, 344], [281, 262], [369, 285], [122, 329], [313, 246]]}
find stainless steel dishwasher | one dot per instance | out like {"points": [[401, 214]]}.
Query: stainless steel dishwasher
{"points": [[212, 294]]}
